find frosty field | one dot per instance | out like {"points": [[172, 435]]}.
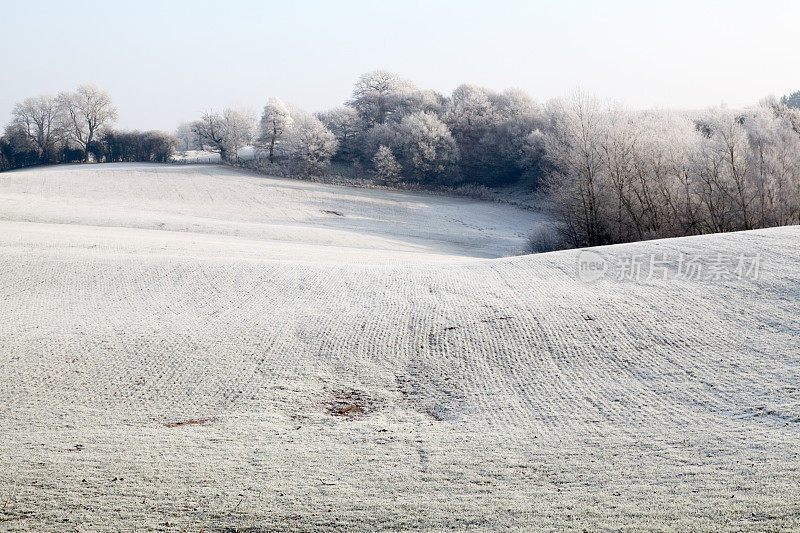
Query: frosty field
{"points": [[196, 348]]}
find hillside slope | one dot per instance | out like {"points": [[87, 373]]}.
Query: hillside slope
{"points": [[222, 201], [211, 350]]}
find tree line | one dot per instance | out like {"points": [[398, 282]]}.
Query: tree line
{"points": [[73, 127], [616, 175], [390, 129], [609, 174]]}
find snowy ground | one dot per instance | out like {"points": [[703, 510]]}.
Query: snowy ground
{"points": [[195, 348], [204, 156]]}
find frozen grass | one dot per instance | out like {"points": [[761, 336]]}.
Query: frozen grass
{"points": [[196, 348]]}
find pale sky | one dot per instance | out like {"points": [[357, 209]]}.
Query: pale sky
{"points": [[166, 61]]}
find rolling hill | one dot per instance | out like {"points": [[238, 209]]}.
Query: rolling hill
{"points": [[194, 347]]}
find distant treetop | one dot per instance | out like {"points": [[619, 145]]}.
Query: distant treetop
{"points": [[793, 100]]}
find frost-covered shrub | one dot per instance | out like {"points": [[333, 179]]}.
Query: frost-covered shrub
{"points": [[387, 169], [547, 238]]}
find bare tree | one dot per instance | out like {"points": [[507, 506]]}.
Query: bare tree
{"points": [[37, 117], [84, 113]]}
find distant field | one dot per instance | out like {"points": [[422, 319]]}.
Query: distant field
{"points": [[194, 347], [198, 201]]}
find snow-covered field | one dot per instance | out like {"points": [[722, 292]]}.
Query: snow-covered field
{"points": [[204, 156], [192, 347]]}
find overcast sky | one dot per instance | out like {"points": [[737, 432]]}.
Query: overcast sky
{"points": [[166, 61]]}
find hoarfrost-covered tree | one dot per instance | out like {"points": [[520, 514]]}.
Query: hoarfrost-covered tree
{"points": [[240, 124], [411, 100], [616, 145], [792, 100], [275, 122], [344, 123], [469, 117], [186, 137], [309, 143], [492, 130], [84, 113], [619, 176], [728, 148], [775, 164], [38, 118], [470, 112], [660, 195], [375, 95], [227, 132], [515, 103], [210, 131], [612, 174], [575, 184], [510, 150], [429, 151], [373, 138], [387, 169]]}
